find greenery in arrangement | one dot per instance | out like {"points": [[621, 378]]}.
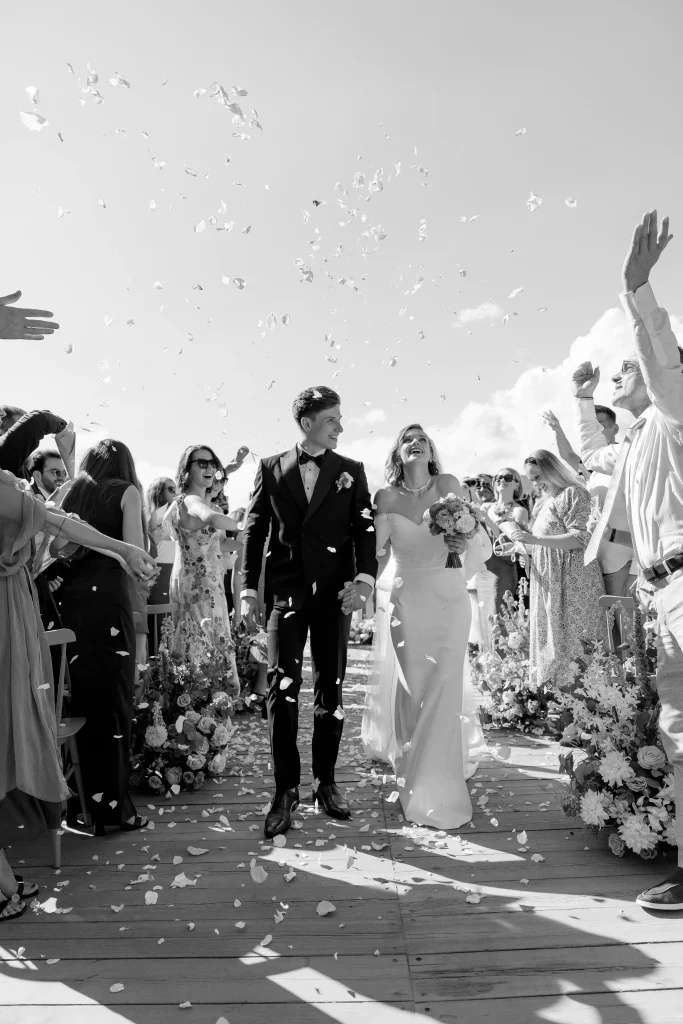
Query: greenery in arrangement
{"points": [[509, 699], [183, 718], [619, 777]]}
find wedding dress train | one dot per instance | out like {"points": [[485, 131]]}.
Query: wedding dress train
{"points": [[421, 712]]}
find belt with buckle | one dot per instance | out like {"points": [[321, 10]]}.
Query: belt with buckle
{"points": [[667, 567]]}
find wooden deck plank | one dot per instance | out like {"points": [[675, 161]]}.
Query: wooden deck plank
{"points": [[570, 945]]}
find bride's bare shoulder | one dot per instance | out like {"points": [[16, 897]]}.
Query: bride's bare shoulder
{"points": [[385, 499], [448, 484]]}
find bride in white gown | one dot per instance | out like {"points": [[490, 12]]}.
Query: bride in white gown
{"points": [[421, 713]]}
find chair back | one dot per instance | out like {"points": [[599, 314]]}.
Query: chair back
{"points": [[157, 611], [622, 609], [61, 637]]}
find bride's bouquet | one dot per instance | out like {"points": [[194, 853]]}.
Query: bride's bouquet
{"points": [[453, 515]]}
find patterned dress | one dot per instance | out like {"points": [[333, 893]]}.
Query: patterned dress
{"points": [[564, 609], [197, 587]]}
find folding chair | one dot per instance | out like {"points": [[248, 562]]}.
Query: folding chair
{"points": [[157, 610], [67, 728], [623, 611]]}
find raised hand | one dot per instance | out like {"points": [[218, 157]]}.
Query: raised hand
{"points": [[236, 463], [646, 248], [551, 419], [19, 324], [585, 380]]}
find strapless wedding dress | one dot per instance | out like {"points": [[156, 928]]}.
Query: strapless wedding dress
{"points": [[420, 716]]}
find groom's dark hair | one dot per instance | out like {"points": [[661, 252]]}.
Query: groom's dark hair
{"points": [[314, 400]]}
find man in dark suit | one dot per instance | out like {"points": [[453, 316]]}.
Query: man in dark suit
{"points": [[320, 566]]}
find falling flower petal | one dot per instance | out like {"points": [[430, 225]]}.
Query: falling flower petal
{"points": [[34, 121]]}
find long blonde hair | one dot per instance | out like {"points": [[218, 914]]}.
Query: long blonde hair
{"points": [[394, 469], [555, 471]]}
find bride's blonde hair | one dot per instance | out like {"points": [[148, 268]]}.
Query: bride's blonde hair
{"points": [[394, 470]]}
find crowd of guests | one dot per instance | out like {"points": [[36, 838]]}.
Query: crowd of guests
{"points": [[577, 526]]}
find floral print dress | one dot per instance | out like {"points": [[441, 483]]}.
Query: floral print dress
{"points": [[198, 589], [564, 609]]}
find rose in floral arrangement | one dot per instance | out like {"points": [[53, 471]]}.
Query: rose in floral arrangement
{"points": [[173, 776], [637, 784], [184, 700], [651, 758], [200, 744], [188, 778], [195, 761], [220, 737], [192, 717], [198, 780], [445, 520], [616, 844], [154, 782], [206, 725]]}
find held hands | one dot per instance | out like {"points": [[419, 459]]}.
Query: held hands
{"points": [[20, 325], [646, 248], [354, 596], [585, 380], [139, 564]]}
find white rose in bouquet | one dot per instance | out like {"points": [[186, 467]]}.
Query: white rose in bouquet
{"points": [[466, 523]]}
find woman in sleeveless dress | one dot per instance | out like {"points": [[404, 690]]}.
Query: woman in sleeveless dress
{"points": [[418, 716], [97, 601], [32, 787], [197, 579]]}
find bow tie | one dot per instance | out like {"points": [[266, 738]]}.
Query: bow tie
{"points": [[304, 457]]}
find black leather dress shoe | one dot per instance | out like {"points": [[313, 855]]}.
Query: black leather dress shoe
{"points": [[279, 817], [331, 801]]}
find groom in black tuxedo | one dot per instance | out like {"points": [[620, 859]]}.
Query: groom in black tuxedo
{"points": [[320, 566]]}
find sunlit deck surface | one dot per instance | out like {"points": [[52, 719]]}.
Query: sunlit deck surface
{"points": [[558, 939]]}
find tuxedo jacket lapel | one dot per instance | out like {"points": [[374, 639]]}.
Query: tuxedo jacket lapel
{"points": [[291, 474], [326, 477]]}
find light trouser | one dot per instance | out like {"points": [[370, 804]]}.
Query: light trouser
{"points": [[668, 600]]}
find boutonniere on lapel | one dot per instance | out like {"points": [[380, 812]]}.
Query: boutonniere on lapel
{"points": [[344, 482]]}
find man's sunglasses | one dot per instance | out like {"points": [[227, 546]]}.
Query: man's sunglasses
{"points": [[506, 478], [205, 463]]}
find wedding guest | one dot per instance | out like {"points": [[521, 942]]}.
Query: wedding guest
{"points": [[615, 556], [48, 473], [229, 538], [32, 787], [504, 562], [97, 602], [160, 493], [564, 594], [647, 470], [197, 580], [21, 433], [484, 488]]}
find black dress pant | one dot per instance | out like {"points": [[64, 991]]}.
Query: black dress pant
{"points": [[288, 630]]}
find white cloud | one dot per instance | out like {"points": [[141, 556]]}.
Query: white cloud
{"points": [[369, 417], [503, 430], [486, 311]]}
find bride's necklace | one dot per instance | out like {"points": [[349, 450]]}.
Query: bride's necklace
{"points": [[416, 490]]}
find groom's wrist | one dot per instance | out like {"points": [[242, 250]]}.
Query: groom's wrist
{"points": [[363, 577]]}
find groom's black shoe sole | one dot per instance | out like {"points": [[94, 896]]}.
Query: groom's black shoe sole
{"points": [[279, 817], [329, 804]]}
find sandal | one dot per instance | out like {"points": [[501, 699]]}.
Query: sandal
{"points": [[127, 826], [10, 908], [26, 890]]}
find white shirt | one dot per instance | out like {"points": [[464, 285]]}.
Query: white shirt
{"points": [[309, 478], [611, 557], [653, 475]]}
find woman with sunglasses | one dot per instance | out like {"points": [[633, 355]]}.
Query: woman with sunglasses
{"points": [[504, 562], [564, 608], [197, 579]]}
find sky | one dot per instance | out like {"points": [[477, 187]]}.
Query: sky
{"points": [[437, 295]]}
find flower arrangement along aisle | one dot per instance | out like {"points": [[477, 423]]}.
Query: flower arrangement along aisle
{"points": [[251, 651], [620, 778], [362, 631], [509, 698], [182, 721]]}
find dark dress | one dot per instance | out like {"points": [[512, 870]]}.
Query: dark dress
{"points": [[96, 603], [508, 574]]}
